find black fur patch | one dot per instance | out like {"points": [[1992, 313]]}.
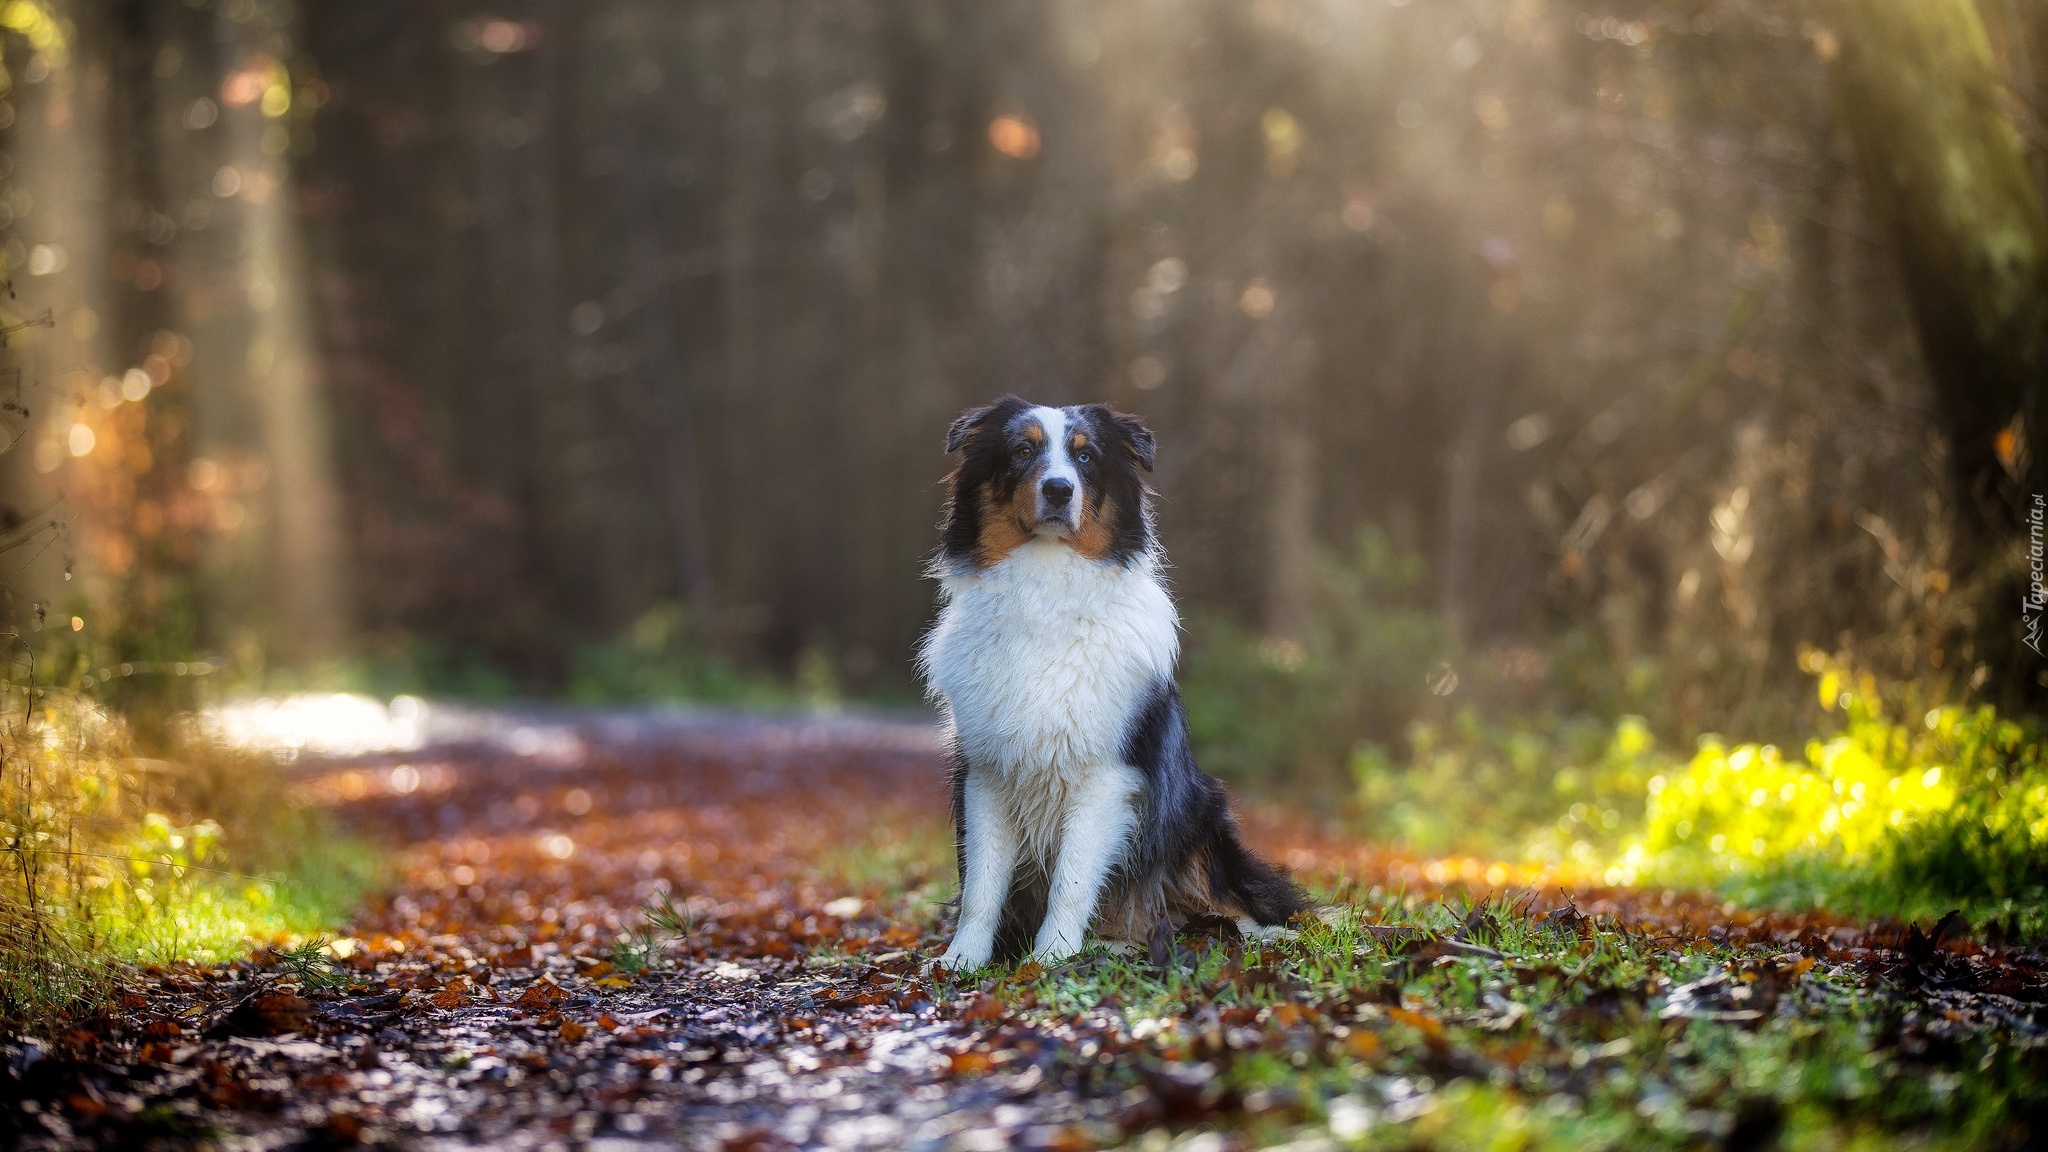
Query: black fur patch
{"points": [[1187, 812], [1111, 475]]}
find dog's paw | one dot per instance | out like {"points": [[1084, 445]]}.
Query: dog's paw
{"points": [[957, 961], [1052, 950], [1264, 933]]}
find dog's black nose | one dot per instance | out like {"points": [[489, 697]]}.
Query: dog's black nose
{"points": [[1057, 492]]}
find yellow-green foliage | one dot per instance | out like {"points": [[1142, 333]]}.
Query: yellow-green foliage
{"points": [[1953, 807], [1884, 816], [112, 857]]}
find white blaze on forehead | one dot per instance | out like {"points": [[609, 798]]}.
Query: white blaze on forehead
{"points": [[1059, 458]]}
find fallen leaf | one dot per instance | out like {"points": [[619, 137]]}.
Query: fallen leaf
{"points": [[542, 995], [984, 1007], [1431, 1028]]}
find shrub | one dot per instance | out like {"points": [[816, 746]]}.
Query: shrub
{"points": [[113, 857], [1885, 817]]}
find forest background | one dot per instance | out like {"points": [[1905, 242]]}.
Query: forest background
{"points": [[1514, 361]]}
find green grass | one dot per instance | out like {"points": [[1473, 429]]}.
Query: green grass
{"points": [[78, 953], [215, 919], [1558, 1041]]}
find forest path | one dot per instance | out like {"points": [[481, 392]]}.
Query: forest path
{"points": [[487, 1004]]}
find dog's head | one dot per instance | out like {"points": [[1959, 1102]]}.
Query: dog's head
{"points": [[1028, 471]]}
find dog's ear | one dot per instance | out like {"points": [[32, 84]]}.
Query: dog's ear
{"points": [[1132, 431], [970, 422], [1140, 437], [964, 426]]}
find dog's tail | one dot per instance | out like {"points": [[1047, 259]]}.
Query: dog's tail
{"points": [[1243, 883]]}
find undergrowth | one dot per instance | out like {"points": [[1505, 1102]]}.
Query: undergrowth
{"points": [[1544, 789], [1893, 815], [663, 658], [1902, 802], [1897, 808], [113, 858], [1265, 710]]}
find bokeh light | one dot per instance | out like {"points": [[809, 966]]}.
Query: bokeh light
{"points": [[1014, 136]]}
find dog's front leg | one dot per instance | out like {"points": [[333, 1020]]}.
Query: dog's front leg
{"points": [[1093, 837], [985, 881]]}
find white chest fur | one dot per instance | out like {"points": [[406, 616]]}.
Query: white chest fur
{"points": [[1042, 660]]}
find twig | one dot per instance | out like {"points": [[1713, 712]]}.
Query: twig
{"points": [[47, 320]]}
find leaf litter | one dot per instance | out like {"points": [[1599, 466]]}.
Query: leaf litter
{"points": [[682, 940]]}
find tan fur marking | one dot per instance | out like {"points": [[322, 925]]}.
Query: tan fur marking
{"points": [[1125, 918], [1191, 895], [1096, 532], [1002, 526], [1130, 915], [1035, 432]]}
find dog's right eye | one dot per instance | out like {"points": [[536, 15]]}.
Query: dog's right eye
{"points": [[1026, 451]]}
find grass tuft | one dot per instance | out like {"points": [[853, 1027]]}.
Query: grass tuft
{"points": [[662, 922]]}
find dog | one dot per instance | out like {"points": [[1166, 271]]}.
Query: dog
{"points": [[1076, 801]]}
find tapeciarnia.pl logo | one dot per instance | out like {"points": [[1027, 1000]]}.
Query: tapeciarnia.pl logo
{"points": [[2036, 603]]}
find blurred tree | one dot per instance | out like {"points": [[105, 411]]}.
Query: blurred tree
{"points": [[1943, 169], [619, 310]]}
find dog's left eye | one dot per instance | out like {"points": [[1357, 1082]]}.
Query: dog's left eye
{"points": [[1083, 456]]}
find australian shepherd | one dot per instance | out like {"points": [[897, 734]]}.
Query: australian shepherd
{"points": [[1076, 803]]}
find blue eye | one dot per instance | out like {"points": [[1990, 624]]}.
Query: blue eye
{"points": [[1083, 456]]}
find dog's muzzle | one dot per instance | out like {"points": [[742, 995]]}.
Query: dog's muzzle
{"points": [[1056, 503]]}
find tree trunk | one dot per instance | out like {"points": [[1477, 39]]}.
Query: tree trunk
{"points": [[746, 169], [659, 383], [1290, 509], [1943, 169]]}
